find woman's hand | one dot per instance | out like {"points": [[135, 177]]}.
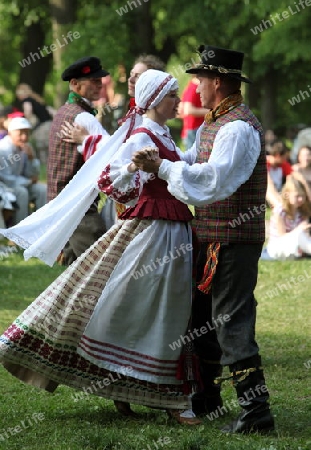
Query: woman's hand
{"points": [[73, 133], [147, 159]]}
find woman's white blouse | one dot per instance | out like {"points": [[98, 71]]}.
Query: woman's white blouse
{"points": [[116, 181]]}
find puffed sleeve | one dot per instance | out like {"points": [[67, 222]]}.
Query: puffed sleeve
{"points": [[117, 182]]}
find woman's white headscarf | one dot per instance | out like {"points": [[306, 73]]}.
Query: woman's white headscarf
{"points": [[45, 232]]}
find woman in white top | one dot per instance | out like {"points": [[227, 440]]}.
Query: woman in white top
{"points": [[289, 224], [114, 322]]}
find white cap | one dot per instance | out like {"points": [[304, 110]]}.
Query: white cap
{"points": [[19, 123]]}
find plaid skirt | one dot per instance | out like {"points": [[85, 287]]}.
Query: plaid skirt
{"points": [[43, 345]]}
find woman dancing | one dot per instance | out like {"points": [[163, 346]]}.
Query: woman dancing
{"points": [[117, 312]]}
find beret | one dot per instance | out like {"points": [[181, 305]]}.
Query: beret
{"points": [[87, 67]]}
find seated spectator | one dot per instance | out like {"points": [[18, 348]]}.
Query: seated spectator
{"points": [[19, 169], [3, 120], [7, 113], [289, 223], [304, 163], [277, 164], [303, 139], [272, 195], [7, 205], [3, 130]]}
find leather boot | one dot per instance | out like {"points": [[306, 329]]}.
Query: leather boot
{"points": [[253, 396], [124, 408], [209, 398]]}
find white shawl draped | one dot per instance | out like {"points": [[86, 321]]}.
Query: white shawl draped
{"points": [[44, 233]]}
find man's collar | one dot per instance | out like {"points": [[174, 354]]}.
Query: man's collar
{"points": [[83, 102]]}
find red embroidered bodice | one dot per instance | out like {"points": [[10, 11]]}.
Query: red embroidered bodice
{"points": [[155, 202]]}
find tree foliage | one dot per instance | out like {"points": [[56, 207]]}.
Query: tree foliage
{"points": [[277, 58]]}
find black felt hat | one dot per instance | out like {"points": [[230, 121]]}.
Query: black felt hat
{"points": [[87, 67], [220, 60]]}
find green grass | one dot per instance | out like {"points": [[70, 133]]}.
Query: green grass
{"points": [[283, 333]]}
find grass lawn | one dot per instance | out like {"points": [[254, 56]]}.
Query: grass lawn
{"points": [[33, 419]]}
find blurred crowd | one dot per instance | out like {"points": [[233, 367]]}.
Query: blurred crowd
{"points": [[24, 132]]}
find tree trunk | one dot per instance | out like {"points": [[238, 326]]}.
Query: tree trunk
{"points": [[253, 90], [144, 29], [139, 22], [168, 49], [254, 96], [269, 99], [34, 59], [63, 13]]}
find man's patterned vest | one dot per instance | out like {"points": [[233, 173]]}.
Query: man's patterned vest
{"points": [[241, 217], [64, 160]]}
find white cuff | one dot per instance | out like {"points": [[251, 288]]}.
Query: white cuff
{"points": [[164, 169]]}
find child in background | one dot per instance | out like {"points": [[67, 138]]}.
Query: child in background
{"points": [[303, 165], [289, 224], [277, 165]]}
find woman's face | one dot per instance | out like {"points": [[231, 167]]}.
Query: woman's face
{"points": [[168, 107], [304, 157], [137, 70]]}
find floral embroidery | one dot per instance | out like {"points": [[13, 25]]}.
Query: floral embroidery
{"points": [[26, 340], [83, 364], [105, 184], [65, 358], [17, 334], [55, 356], [36, 344], [45, 350]]}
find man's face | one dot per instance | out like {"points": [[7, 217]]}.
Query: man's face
{"points": [[135, 73], [89, 88], [19, 137], [207, 90]]}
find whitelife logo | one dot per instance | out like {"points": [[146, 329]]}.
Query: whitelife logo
{"points": [[33, 57]]}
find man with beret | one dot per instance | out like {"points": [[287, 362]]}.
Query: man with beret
{"points": [[224, 175], [142, 63], [20, 169], [64, 161]]}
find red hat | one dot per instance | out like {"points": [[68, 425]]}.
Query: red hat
{"points": [[15, 114]]}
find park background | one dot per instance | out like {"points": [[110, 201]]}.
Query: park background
{"points": [[277, 59], [275, 37]]}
